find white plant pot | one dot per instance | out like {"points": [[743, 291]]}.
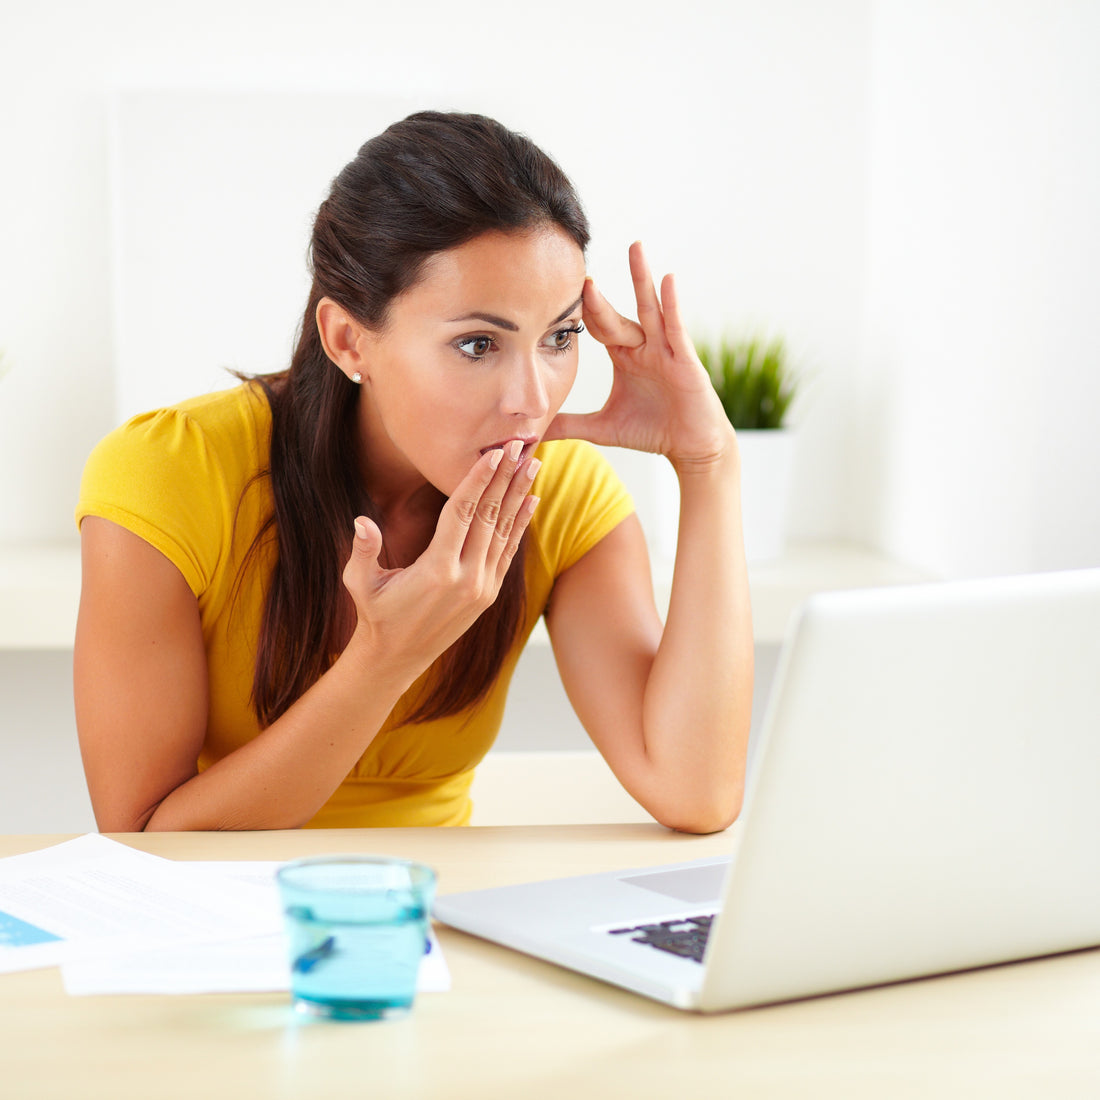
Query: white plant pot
{"points": [[767, 469]]}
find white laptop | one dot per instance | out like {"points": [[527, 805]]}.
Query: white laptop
{"points": [[925, 798]]}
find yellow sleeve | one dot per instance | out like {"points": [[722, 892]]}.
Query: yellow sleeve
{"points": [[172, 482], [581, 501]]}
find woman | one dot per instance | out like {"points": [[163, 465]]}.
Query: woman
{"points": [[303, 598]]}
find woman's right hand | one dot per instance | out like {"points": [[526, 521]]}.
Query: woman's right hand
{"points": [[413, 614]]}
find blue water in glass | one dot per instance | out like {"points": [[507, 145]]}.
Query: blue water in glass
{"points": [[357, 936]]}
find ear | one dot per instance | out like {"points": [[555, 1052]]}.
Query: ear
{"points": [[341, 337]]}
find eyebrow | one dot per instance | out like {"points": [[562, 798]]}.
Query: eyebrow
{"points": [[511, 326]]}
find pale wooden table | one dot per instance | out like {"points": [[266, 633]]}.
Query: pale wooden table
{"points": [[518, 1028]]}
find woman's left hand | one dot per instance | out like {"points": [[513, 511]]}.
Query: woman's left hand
{"points": [[661, 399]]}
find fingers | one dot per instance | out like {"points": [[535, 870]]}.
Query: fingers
{"points": [[606, 324], [459, 512], [515, 497], [595, 427], [675, 330], [650, 315], [499, 510], [507, 545], [486, 516], [363, 565], [614, 330]]}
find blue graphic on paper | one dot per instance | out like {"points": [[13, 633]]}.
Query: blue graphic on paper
{"points": [[18, 933]]}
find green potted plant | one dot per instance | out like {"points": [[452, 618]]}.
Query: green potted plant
{"points": [[756, 384], [753, 380]]}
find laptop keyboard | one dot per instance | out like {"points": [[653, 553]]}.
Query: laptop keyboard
{"points": [[686, 938]]}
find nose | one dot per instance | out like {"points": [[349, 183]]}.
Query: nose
{"points": [[524, 392]]}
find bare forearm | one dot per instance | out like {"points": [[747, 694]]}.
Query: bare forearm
{"points": [[282, 777], [698, 697]]}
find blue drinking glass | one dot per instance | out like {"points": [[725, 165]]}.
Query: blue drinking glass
{"points": [[358, 929]]}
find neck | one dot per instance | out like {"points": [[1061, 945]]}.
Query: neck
{"points": [[399, 491]]}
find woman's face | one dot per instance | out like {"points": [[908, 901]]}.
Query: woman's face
{"points": [[481, 351]]}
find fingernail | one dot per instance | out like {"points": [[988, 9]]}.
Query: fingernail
{"points": [[360, 529], [530, 504], [532, 467], [494, 458], [515, 449]]}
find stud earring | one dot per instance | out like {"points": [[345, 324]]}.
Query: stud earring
{"points": [[357, 378]]}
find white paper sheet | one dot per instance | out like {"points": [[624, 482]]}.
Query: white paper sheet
{"points": [[257, 965], [92, 895]]}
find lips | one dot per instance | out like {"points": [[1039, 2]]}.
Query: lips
{"points": [[530, 442]]}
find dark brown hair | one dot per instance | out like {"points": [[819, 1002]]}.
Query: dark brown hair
{"points": [[427, 184]]}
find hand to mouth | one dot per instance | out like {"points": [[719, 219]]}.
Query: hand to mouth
{"points": [[529, 442]]}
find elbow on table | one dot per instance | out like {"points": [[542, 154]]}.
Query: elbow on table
{"points": [[709, 815], [121, 817]]}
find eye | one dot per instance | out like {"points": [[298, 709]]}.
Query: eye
{"points": [[562, 339], [475, 347]]}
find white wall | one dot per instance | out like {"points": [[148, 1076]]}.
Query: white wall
{"points": [[907, 191], [978, 449], [731, 138]]}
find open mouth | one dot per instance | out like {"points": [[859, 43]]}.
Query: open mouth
{"points": [[529, 445]]}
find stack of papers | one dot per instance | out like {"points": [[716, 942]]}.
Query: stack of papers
{"points": [[117, 920]]}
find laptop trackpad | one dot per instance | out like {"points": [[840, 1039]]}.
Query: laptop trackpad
{"points": [[694, 884]]}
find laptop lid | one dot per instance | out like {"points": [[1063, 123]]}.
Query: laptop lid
{"points": [[926, 793]]}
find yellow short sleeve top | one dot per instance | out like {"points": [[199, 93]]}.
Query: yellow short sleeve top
{"points": [[190, 481]]}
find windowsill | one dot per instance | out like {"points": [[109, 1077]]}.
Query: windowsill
{"points": [[39, 596]]}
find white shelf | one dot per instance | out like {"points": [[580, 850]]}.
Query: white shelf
{"points": [[40, 589], [780, 587], [39, 596]]}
